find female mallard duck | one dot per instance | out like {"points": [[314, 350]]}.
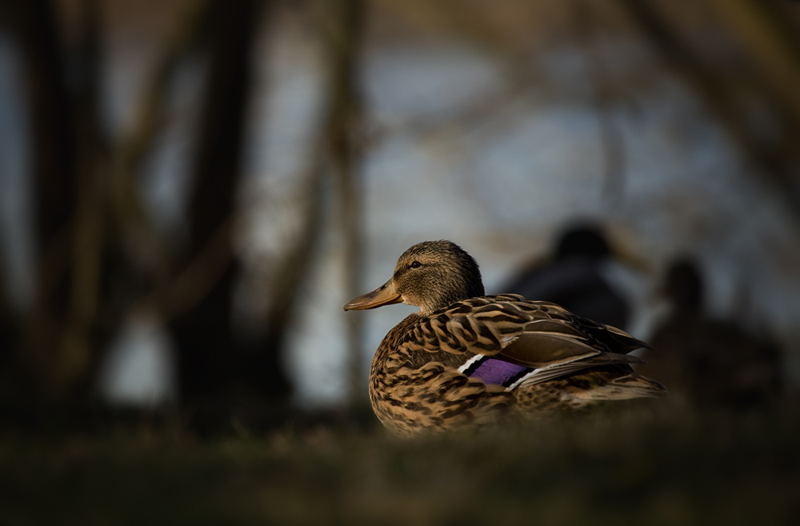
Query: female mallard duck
{"points": [[467, 360]]}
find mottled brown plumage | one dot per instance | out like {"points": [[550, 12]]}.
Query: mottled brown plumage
{"points": [[467, 360]]}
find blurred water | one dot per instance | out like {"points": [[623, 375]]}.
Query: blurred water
{"points": [[140, 368], [502, 189], [501, 184]]}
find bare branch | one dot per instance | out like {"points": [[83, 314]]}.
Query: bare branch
{"points": [[137, 139], [776, 160], [771, 41], [190, 286]]}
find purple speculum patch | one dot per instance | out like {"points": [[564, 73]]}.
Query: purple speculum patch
{"points": [[494, 371]]}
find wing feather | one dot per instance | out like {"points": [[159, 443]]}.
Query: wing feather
{"points": [[540, 335]]}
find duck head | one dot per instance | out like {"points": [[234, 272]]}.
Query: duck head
{"points": [[429, 275]]}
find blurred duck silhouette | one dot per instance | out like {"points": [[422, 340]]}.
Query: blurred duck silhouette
{"points": [[573, 277], [710, 363]]}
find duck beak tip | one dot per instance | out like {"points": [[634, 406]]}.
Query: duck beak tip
{"points": [[383, 295]]}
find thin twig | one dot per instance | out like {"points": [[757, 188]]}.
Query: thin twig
{"points": [[613, 144], [190, 286]]}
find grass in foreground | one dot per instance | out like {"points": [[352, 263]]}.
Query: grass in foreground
{"points": [[635, 467]]}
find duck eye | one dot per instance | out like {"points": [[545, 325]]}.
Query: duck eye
{"points": [[416, 264]]}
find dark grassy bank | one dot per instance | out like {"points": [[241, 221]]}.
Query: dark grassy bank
{"points": [[635, 467]]}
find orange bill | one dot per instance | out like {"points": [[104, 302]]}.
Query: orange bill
{"points": [[383, 295]]}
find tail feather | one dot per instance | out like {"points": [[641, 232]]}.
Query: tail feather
{"points": [[623, 388]]}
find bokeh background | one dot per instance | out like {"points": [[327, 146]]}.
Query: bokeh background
{"points": [[190, 190]]}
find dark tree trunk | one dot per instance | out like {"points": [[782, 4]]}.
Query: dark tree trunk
{"points": [[212, 360], [52, 139], [8, 343], [54, 182], [344, 129]]}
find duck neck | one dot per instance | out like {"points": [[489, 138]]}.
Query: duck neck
{"points": [[451, 292]]}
